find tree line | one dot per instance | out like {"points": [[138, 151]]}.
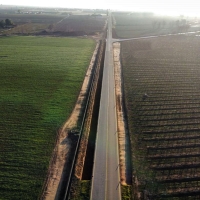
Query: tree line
{"points": [[5, 23]]}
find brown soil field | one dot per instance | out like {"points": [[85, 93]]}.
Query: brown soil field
{"points": [[57, 25], [81, 25]]}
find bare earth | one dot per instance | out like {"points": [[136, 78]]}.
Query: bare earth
{"points": [[125, 168], [63, 144]]}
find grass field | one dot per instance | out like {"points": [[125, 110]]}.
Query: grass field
{"points": [[161, 86], [40, 80]]}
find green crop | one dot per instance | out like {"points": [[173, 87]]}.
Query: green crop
{"points": [[40, 79]]}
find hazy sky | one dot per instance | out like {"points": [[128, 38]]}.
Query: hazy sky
{"points": [[187, 7]]}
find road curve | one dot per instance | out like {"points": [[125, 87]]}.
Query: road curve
{"points": [[106, 177]]}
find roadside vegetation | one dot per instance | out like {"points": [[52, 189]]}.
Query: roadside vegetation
{"points": [[80, 190], [161, 87], [126, 191], [40, 80]]}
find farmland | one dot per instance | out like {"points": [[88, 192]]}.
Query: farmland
{"points": [[128, 25], [161, 87], [40, 80], [30, 23], [54, 23], [82, 24]]}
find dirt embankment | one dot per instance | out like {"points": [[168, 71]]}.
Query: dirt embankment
{"points": [[60, 154], [61, 151], [124, 144], [85, 156]]}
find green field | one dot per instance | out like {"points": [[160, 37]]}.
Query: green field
{"points": [[40, 80]]}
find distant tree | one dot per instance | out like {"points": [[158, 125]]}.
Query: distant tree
{"points": [[51, 27], [8, 22], [2, 24]]}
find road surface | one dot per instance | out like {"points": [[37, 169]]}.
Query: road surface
{"points": [[106, 177], [154, 36]]}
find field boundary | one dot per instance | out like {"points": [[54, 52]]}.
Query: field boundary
{"points": [[69, 124]]}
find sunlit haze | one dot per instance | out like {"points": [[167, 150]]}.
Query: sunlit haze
{"points": [[167, 7]]}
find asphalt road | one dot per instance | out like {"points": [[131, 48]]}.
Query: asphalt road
{"points": [[106, 177], [154, 36]]}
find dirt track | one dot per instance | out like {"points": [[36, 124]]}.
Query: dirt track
{"points": [[124, 154]]}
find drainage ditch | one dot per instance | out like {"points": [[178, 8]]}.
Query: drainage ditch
{"points": [[88, 164]]}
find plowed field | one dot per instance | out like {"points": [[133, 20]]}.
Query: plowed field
{"points": [[162, 95]]}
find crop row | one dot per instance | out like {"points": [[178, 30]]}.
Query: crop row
{"points": [[40, 79], [161, 85]]}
